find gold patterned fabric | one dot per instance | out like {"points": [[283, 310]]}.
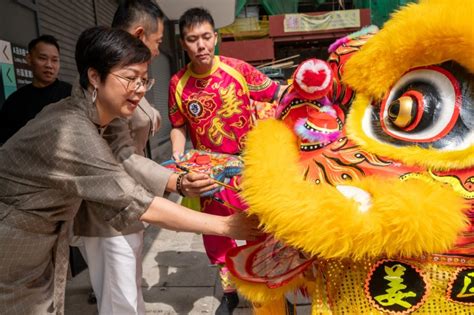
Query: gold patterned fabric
{"points": [[46, 169], [437, 284]]}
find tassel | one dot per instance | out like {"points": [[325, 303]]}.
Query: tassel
{"points": [[371, 29]]}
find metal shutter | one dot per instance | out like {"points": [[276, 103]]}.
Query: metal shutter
{"points": [[158, 97], [66, 19], [105, 10]]}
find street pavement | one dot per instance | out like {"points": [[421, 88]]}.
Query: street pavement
{"points": [[177, 279]]}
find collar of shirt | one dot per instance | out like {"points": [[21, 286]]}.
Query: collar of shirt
{"points": [[84, 99]]}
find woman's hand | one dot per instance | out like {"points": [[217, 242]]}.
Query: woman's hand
{"points": [[195, 184], [170, 215], [241, 226], [177, 155]]}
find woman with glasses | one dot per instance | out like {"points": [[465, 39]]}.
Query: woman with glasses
{"points": [[59, 159], [134, 83], [114, 258]]}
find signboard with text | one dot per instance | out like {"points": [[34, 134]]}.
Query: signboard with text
{"points": [[323, 22], [14, 69], [23, 72], [8, 79]]}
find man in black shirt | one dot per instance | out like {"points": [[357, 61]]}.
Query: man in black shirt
{"points": [[25, 103]]}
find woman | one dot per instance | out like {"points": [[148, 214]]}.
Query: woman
{"points": [[59, 158]]}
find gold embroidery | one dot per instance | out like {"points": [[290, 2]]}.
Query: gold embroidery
{"points": [[395, 294], [231, 105], [217, 132]]}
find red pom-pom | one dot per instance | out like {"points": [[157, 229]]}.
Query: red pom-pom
{"points": [[313, 79]]}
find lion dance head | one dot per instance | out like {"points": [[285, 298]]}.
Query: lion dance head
{"points": [[365, 182]]}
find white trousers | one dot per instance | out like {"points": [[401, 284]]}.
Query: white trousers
{"points": [[115, 270]]}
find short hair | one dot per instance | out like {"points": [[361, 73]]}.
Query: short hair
{"points": [[103, 48], [193, 17], [143, 12], [47, 39]]}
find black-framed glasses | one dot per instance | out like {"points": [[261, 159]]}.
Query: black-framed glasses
{"points": [[136, 83]]}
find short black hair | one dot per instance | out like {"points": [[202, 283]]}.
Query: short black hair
{"points": [[130, 12], [103, 48], [193, 17], [48, 39]]}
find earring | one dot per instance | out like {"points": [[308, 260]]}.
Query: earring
{"points": [[94, 95]]}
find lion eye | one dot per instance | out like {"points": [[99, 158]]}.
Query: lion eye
{"points": [[422, 107], [427, 107], [405, 113], [402, 112]]}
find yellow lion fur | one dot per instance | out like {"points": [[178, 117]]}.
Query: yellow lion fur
{"points": [[277, 307], [322, 222], [445, 33], [410, 155], [261, 294]]}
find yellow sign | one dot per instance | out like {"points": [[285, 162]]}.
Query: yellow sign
{"points": [[328, 21]]}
